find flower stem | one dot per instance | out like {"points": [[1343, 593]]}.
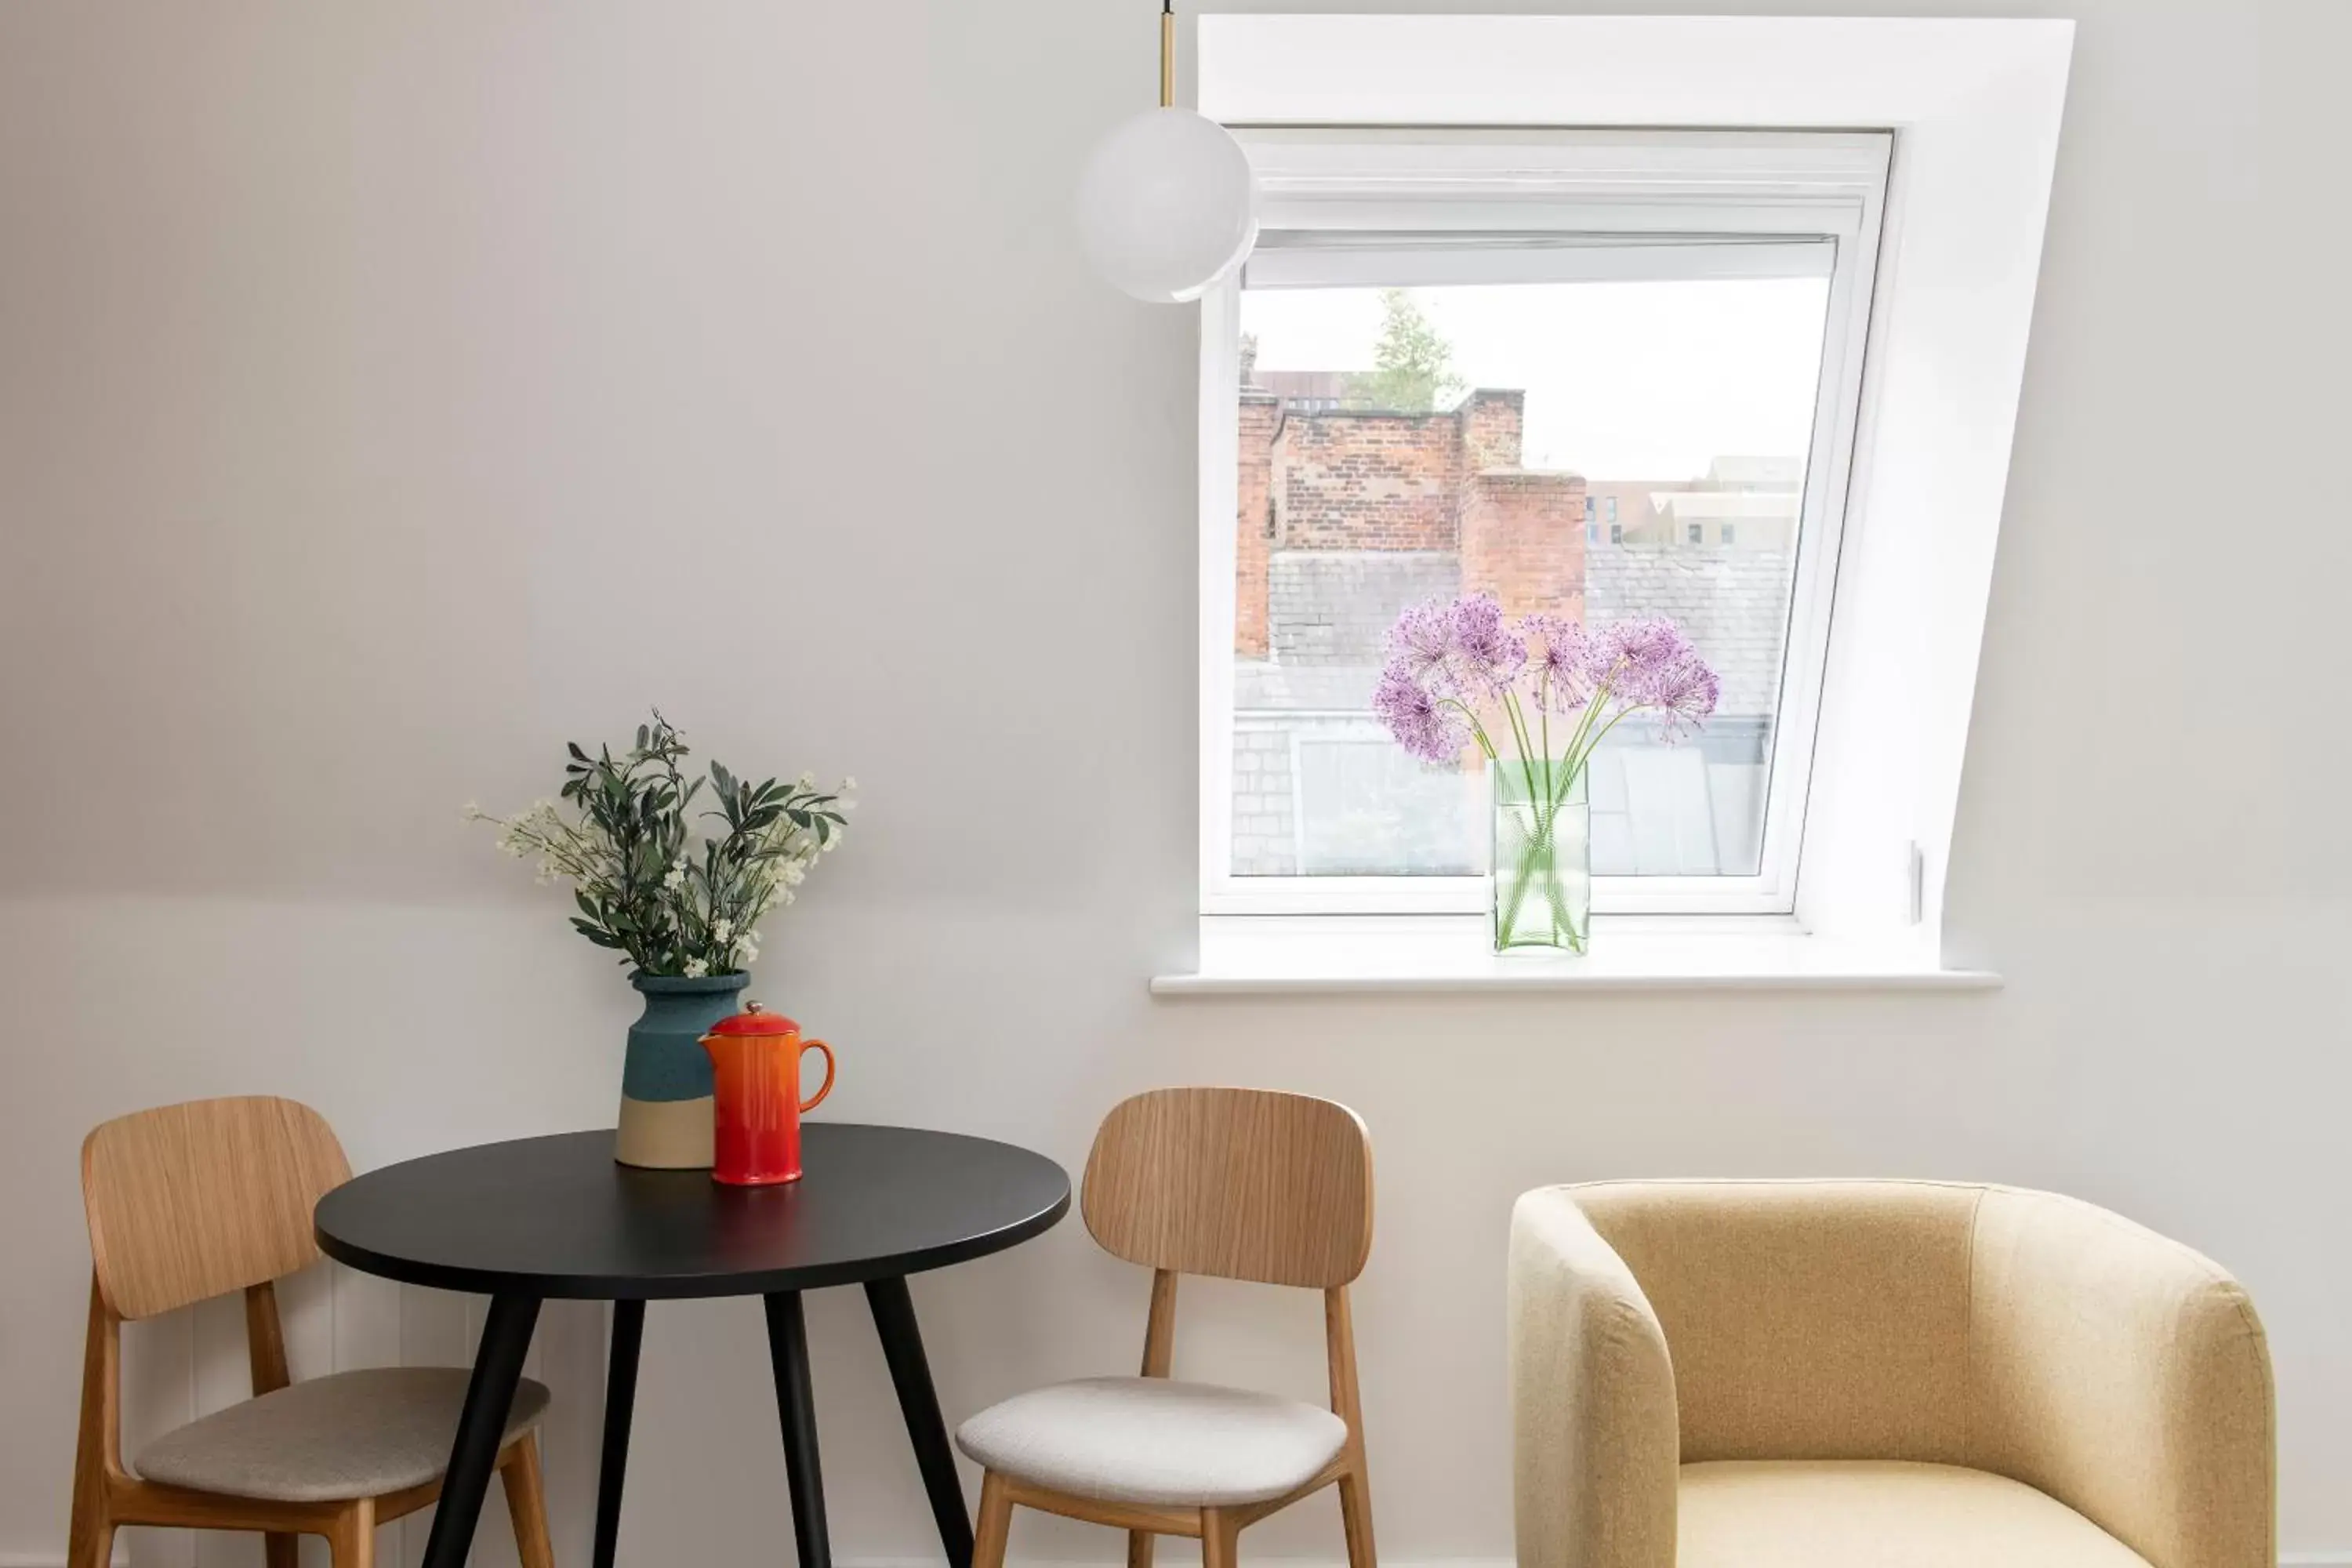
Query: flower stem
{"points": [[1476, 728]]}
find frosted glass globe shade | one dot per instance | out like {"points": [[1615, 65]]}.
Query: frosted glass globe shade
{"points": [[1168, 204]]}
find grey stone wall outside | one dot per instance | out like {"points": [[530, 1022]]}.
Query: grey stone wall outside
{"points": [[1331, 607], [1732, 602], [1328, 610], [1266, 839]]}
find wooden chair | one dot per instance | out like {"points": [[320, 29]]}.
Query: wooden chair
{"points": [[193, 1201], [1235, 1183]]}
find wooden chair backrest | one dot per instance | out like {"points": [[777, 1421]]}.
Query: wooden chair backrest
{"points": [[1240, 1183], [192, 1201]]}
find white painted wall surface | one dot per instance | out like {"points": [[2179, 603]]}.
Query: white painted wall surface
{"points": [[390, 393]]}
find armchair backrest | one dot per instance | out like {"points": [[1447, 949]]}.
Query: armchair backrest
{"points": [[1806, 1319]]}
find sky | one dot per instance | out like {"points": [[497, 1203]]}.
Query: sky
{"points": [[1625, 381]]}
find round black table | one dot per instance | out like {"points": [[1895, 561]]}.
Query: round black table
{"points": [[540, 1217]]}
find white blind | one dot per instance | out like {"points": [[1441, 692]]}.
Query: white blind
{"points": [[1324, 260]]}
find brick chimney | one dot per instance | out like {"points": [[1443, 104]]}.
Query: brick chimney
{"points": [[1490, 421], [1523, 540], [1522, 533]]}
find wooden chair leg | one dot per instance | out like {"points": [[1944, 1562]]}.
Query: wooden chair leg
{"points": [[1347, 1402], [1355, 1516], [994, 1524], [350, 1542], [91, 1543], [89, 1537], [280, 1550], [1139, 1549], [1220, 1538], [526, 1501]]}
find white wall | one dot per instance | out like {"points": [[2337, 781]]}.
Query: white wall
{"points": [[389, 393]]}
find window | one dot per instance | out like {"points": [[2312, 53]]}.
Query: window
{"points": [[1656, 330], [1896, 515]]}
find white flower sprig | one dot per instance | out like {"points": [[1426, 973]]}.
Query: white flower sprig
{"points": [[645, 884]]}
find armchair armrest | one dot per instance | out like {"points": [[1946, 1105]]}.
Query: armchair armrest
{"points": [[1597, 1453], [2125, 1376]]}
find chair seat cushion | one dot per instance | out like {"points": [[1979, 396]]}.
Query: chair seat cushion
{"points": [[1154, 1441], [330, 1439], [1825, 1513]]}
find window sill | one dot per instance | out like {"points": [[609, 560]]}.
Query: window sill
{"points": [[1319, 956]]}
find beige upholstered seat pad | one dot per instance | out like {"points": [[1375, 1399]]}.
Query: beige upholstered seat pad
{"points": [[1155, 1441], [1868, 1513], [352, 1435]]}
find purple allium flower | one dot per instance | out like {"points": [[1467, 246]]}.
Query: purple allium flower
{"points": [[1683, 694], [1644, 641], [1421, 643], [1423, 724], [1459, 649], [1637, 658], [1449, 661], [1561, 661], [1489, 656], [1648, 663]]}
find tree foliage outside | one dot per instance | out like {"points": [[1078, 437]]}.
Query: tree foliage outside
{"points": [[1412, 364]]}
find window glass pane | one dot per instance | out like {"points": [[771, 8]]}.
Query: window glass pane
{"points": [[1602, 449]]}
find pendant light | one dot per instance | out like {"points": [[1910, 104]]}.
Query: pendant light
{"points": [[1168, 203]]}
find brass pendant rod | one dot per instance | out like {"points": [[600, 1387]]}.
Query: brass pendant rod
{"points": [[1167, 53]]}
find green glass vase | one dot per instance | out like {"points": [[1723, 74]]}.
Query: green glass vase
{"points": [[1541, 877]]}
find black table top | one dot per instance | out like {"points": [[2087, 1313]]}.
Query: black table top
{"points": [[555, 1217]]}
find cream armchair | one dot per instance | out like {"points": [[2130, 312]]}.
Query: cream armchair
{"points": [[1852, 1374]]}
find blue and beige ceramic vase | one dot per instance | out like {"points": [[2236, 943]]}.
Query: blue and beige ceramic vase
{"points": [[666, 1083]]}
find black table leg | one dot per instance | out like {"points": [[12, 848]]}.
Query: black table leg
{"points": [[910, 1374], [489, 1397], [619, 1405], [796, 1404]]}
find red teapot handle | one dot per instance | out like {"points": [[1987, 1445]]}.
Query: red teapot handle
{"points": [[818, 1098]]}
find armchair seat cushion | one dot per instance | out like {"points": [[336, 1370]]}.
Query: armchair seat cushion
{"points": [[1839, 1513], [1153, 1441], [330, 1439]]}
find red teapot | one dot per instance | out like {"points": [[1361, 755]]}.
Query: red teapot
{"points": [[756, 1057]]}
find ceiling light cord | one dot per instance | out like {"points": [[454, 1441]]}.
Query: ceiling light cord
{"points": [[1167, 54]]}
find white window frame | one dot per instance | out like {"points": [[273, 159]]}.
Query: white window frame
{"points": [[1506, 205]]}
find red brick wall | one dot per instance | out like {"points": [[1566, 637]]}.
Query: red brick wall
{"points": [[1490, 430], [1254, 522], [1347, 481], [1522, 540], [1367, 482]]}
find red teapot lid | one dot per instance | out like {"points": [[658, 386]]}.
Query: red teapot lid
{"points": [[754, 1019]]}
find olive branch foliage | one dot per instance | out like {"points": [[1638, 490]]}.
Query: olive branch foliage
{"points": [[647, 882]]}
